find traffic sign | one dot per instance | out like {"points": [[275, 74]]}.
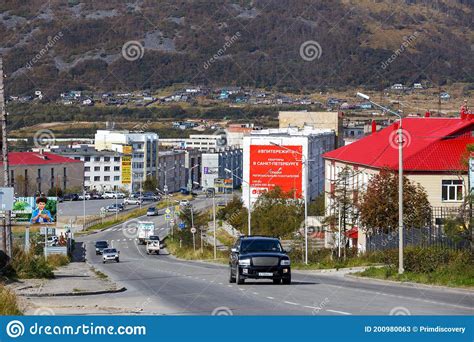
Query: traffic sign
{"points": [[171, 221], [167, 217], [193, 230], [182, 225], [168, 211]]}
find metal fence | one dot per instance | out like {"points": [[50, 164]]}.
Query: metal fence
{"points": [[431, 235]]}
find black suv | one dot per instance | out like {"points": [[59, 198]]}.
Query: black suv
{"points": [[259, 257]]}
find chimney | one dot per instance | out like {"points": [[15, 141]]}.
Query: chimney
{"points": [[374, 126], [427, 114]]}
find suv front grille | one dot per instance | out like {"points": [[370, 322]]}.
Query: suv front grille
{"points": [[265, 261]]}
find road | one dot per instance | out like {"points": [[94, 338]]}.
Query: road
{"points": [[161, 284]]}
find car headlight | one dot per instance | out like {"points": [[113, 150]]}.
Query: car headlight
{"points": [[244, 262], [285, 262]]}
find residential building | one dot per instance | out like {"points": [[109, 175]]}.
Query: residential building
{"points": [[192, 163], [33, 172], [102, 169], [235, 134], [434, 156], [202, 142], [318, 120], [171, 171], [139, 150], [276, 157], [213, 173]]}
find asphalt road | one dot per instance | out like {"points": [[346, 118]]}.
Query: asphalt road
{"points": [[161, 284]]}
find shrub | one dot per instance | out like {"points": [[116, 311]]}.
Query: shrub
{"points": [[8, 302], [28, 265], [57, 260]]}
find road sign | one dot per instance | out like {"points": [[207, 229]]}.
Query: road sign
{"points": [[167, 217], [6, 199], [177, 208], [168, 211], [193, 230], [182, 225], [49, 230], [171, 221], [165, 188]]}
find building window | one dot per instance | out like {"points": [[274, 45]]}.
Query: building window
{"points": [[97, 159], [116, 159], [96, 168], [87, 158], [451, 190], [96, 178], [87, 178], [77, 158], [64, 178], [116, 168], [87, 169], [106, 178], [116, 178], [106, 168], [106, 159], [52, 177]]}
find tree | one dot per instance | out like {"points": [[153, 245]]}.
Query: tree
{"points": [[150, 184], [316, 207], [379, 204], [277, 213], [235, 214], [189, 216]]}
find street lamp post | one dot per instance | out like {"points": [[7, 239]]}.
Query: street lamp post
{"points": [[190, 180], [305, 172], [400, 180], [249, 199]]}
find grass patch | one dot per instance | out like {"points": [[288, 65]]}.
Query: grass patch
{"points": [[8, 303], [110, 223], [58, 260], [99, 274], [187, 252], [224, 237], [432, 266], [326, 259], [29, 265]]}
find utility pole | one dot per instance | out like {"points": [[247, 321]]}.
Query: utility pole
{"points": [[6, 236]]}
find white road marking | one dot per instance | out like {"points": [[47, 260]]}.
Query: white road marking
{"points": [[255, 293], [270, 297], [311, 307], [339, 312], [292, 303]]}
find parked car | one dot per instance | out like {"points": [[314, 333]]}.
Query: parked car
{"points": [[108, 195], [70, 197], [96, 195], [152, 195], [184, 203], [110, 254], [114, 207], [100, 246], [152, 211], [87, 196], [259, 257], [130, 200]]}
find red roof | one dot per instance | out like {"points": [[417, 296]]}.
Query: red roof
{"points": [[430, 144], [35, 158]]}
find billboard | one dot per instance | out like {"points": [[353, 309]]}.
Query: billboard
{"points": [[35, 210], [126, 169], [272, 166], [127, 149]]}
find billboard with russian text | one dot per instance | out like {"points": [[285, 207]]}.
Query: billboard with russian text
{"points": [[272, 166]]}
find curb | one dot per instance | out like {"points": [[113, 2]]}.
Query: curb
{"points": [[334, 270], [72, 294], [411, 284]]}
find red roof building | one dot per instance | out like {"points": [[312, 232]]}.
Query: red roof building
{"points": [[32, 172]]}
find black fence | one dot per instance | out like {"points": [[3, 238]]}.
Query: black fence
{"points": [[431, 236]]}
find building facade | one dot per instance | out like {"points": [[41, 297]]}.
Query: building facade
{"points": [[38, 172], [289, 158], [214, 165], [172, 171]]}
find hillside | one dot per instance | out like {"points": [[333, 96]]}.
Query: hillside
{"points": [[59, 45]]}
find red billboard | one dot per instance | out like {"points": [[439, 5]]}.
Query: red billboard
{"points": [[272, 166]]}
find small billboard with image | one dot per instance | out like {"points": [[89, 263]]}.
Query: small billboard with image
{"points": [[35, 210]]}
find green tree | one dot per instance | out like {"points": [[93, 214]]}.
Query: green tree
{"points": [[190, 216], [316, 207], [379, 204], [150, 184]]}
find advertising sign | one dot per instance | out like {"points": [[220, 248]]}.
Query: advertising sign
{"points": [[6, 199], [126, 169], [272, 166], [35, 210], [471, 174], [127, 149]]}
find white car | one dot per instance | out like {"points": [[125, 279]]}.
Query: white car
{"points": [[88, 197], [110, 254], [108, 195], [130, 200], [184, 203]]}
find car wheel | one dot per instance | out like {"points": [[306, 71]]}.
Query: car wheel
{"points": [[277, 281], [103, 261], [118, 260], [287, 281], [238, 277], [158, 253], [231, 277]]}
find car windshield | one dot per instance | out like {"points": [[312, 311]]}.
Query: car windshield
{"points": [[101, 244], [260, 245], [151, 209], [154, 237], [110, 250]]}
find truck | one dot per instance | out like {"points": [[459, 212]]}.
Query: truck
{"points": [[153, 245], [145, 230]]}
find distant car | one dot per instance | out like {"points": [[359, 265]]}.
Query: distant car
{"points": [[110, 254], [87, 196], [108, 195], [96, 196], [153, 245], [221, 204], [152, 211], [131, 200], [100, 246], [151, 195], [70, 197], [184, 203], [114, 207]]}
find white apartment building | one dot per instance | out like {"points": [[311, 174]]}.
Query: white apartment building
{"points": [[140, 150], [277, 157], [202, 142]]}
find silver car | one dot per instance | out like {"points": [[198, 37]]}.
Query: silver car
{"points": [[110, 254]]}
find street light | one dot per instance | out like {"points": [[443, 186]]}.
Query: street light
{"points": [[141, 186], [400, 180], [250, 204], [190, 181], [305, 171]]}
